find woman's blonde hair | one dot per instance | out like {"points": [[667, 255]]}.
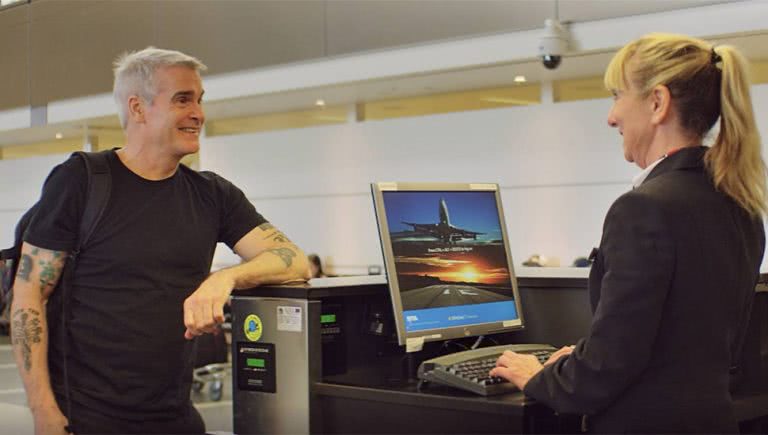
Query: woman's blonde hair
{"points": [[706, 83]]}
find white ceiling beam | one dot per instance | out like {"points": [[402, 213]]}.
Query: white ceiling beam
{"points": [[73, 109], [16, 118]]}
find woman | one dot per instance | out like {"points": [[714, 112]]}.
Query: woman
{"points": [[673, 279]]}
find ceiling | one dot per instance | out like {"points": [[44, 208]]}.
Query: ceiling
{"points": [[574, 66], [754, 46]]}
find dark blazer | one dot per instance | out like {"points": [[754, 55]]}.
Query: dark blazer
{"points": [[671, 288]]}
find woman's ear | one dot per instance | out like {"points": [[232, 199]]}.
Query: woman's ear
{"points": [[661, 104]]}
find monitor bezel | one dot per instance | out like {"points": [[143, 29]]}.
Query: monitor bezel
{"points": [[404, 337]]}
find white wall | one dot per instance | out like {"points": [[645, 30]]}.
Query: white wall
{"points": [[559, 166], [20, 184]]}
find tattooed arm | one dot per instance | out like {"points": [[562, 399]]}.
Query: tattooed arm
{"points": [[270, 258], [39, 271]]}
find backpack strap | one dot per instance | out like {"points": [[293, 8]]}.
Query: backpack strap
{"points": [[99, 188], [7, 254]]}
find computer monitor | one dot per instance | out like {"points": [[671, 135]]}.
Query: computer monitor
{"points": [[447, 260]]}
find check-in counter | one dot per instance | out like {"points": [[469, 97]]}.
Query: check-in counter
{"points": [[323, 358]]}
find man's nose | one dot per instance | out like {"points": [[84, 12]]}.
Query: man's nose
{"points": [[197, 113]]}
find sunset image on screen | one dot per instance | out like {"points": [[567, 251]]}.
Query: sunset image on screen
{"points": [[464, 268]]}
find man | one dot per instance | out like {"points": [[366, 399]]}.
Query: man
{"points": [[141, 291]]}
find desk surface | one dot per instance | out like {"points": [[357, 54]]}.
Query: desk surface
{"points": [[433, 396], [364, 285]]}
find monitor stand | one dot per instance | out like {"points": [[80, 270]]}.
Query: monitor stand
{"points": [[403, 371]]}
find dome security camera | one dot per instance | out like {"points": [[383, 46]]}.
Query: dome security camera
{"points": [[553, 44]]}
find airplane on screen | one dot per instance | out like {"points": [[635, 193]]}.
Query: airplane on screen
{"points": [[443, 230]]}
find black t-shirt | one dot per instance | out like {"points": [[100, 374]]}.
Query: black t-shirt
{"points": [[126, 355]]}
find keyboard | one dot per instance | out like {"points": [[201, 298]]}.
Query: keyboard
{"points": [[468, 370]]}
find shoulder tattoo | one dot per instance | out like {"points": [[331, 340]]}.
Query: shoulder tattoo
{"points": [[48, 273], [25, 267], [266, 226], [277, 236]]}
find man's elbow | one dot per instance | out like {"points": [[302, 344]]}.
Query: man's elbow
{"points": [[302, 266], [23, 295]]}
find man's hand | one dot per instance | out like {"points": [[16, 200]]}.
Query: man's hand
{"points": [[50, 421], [516, 368], [563, 351], [204, 309]]}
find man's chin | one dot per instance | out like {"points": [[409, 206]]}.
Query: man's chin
{"points": [[189, 148]]}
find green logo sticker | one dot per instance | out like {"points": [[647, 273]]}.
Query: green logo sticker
{"points": [[252, 327]]}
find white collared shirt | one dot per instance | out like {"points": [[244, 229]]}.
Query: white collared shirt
{"points": [[639, 178]]}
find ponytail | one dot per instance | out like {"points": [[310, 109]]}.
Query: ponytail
{"points": [[734, 160]]}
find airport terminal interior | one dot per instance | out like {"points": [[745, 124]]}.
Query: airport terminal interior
{"points": [[448, 161]]}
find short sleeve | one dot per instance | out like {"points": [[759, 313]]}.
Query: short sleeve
{"points": [[55, 224], [237, 216]]}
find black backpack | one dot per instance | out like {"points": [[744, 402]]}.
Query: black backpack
{"points": [[99, 186]]}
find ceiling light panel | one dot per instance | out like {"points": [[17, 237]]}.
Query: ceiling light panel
{"points": [[277, 121]]}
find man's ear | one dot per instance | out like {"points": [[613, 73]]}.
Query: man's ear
{"points": [[661, 104], [136, 109]]}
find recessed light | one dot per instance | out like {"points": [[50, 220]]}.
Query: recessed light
{"points": [[520, 79], [320, 103], [59, 135]]}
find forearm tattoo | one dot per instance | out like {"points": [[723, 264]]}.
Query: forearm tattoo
{"points": [[26, 331], [285, 254], [25, 267]]}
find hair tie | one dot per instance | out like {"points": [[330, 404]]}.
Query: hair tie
{"points": [[715, 57]]}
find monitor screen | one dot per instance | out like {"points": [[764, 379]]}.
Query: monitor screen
{"points": [[448, 265]]}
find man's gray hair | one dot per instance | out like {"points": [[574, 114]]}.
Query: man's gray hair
{"points": [[134, 74]]}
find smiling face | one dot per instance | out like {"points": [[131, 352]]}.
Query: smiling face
{"points": [[175, 117], [631, 114]]}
